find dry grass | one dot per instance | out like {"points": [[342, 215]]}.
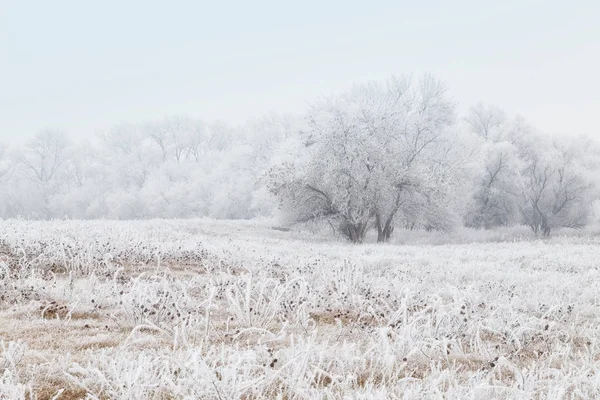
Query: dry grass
{"points": [[315, 318], [66, 389]]}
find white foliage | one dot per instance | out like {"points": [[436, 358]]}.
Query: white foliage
{"points": [[377, 156], [375, 152]]}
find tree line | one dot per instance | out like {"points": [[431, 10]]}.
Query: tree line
{"points": [[377, 156]]}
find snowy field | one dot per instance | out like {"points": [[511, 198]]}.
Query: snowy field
{"points": [[238, 310]]}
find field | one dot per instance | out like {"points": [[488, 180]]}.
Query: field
{"points": [[237, 310]]}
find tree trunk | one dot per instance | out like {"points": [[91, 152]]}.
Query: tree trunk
{"points": [[385, 234], [354, 232], [384, 230], [546, 230]]}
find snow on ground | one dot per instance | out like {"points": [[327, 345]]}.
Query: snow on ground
{"points": [[211, 309]]}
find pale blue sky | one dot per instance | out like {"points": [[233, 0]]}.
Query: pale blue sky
{"points": [[83, 66]]}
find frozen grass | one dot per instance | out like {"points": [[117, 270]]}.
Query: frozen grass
{"points": [[226, 310]]}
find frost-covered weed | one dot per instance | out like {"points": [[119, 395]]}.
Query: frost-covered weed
{"points": [[223, 314], [11, 387], [156, 299]]}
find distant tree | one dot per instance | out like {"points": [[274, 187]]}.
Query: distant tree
{"points": [[486, 121], [178, 137], [128, 156], [44, 155], [6, 164], [42, 160], [527, 178], [195, 140], [498, 187], [557, 191], [221, 137]]}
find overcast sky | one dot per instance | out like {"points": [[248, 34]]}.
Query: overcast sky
{"points": [[82, 66]]}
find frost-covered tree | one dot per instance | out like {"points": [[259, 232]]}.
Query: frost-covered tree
{"points": [[446, 185], [261, 140], [368, 150], [497, 180], [44, 155], [525, 177], [85, 183], [6, 164], [178, 137], [195, 139], [416, 153], [557, 191], [128, 159], [41, 163], [486, 121], [129, 155], [498, 187]]}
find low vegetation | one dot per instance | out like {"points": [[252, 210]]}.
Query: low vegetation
{"points": [[225, 310]]}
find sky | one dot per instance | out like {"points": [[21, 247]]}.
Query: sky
{"points": [[83, 66]]}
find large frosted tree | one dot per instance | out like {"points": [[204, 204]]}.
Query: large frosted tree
{"points": [[369, 152]]}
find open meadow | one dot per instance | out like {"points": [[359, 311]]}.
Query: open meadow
{"points": [[203, 309]]}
